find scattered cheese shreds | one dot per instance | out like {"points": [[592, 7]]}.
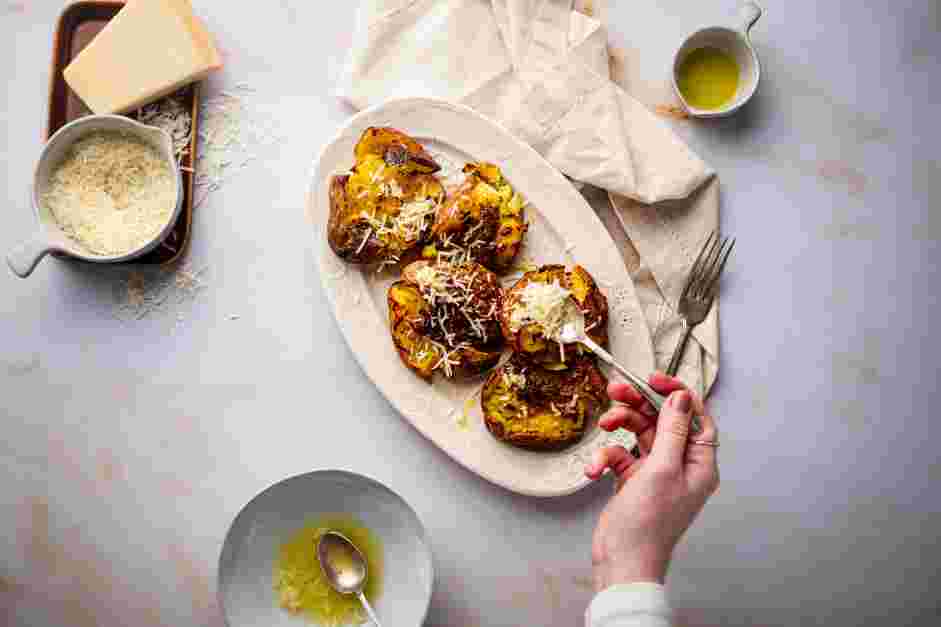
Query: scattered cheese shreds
{"points": [[187, 280], [514, 379], [230, 132], [158, 292], [170, 115], [408, 225], [430, 279]]}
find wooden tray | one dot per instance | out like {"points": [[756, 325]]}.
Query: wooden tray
{"points": [[78, 24]]}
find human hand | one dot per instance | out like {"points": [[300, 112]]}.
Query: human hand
{"points": [[658, 495]]}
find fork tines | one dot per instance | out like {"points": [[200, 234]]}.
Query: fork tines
{"points": [[704, 275]]}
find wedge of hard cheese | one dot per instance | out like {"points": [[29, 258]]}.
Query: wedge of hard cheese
{"points": [[149, 49]]}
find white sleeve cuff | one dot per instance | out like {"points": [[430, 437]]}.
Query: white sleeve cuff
{"points": [[630, 605]]}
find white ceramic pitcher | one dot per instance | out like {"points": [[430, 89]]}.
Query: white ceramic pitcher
{"points": [[49, 237]]}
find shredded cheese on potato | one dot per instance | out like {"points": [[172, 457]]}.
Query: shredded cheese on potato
{"points": [[430, 279], [408, 226], [448, 359], [545, 304], [456, 289], [411, 222], [514, 379]]}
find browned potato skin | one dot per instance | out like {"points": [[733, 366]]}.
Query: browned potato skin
{"points": [[529, 338], [389, 143], [344, 234], [406, 306], [407, 309], [408, 164], [484, 197], [540, 428], [460, 209]]}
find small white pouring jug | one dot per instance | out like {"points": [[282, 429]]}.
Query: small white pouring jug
{"points": [[737, 43], [50, 237]]}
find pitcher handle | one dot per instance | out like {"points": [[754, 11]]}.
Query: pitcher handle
{"points": [[749, 14], [23, 259]]}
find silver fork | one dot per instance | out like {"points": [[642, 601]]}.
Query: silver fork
{"points": [[573, 330], [700, 291]]}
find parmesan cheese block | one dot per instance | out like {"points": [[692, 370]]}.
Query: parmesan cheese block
{"points": [[149, 49]]}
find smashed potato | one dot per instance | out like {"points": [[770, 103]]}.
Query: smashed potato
{"points": [[386, 204], [526, 333], [531, 407], [482, 221], [446, 317]]}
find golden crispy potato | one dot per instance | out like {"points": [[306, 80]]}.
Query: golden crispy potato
{"points": [[386, 205], [483, 221], [531, 407], [528, 336], [395, 148], [446, 317]]}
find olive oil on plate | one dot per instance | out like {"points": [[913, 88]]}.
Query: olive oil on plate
{"points": [[708, 78]]}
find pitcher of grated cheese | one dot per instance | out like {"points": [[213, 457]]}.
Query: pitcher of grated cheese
{"points": [[106, 189]]}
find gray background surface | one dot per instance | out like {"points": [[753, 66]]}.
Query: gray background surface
{"points": [[128, 447]]}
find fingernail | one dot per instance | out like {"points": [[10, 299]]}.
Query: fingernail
{"points": [[681, 401]]}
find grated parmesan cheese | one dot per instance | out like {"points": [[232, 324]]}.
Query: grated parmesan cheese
{"points": [[408, 225], [158, 292], [430, 279], [545, 304], [112, 193], [170, 115], [513, 379], [411, 222], [448, 359], [454, 289], [231, 131]]}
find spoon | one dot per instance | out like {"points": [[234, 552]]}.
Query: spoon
{"points": [[573, 330], [344, 567]]}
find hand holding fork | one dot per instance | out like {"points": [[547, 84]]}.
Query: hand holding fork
{"points": [[700, 291]]}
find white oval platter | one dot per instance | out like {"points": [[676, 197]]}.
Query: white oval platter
{"points": [[563, 229]]}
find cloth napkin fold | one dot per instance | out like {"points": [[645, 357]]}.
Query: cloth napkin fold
{"points": [[541, 69]]}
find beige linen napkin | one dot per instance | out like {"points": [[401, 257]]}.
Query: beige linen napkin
{"points": [[541, 69]]}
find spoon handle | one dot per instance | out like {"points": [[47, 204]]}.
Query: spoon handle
{"points": [[653, 397], [368, 608]]}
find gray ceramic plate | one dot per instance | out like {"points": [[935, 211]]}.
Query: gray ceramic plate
{"points": [[247, 559]]}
